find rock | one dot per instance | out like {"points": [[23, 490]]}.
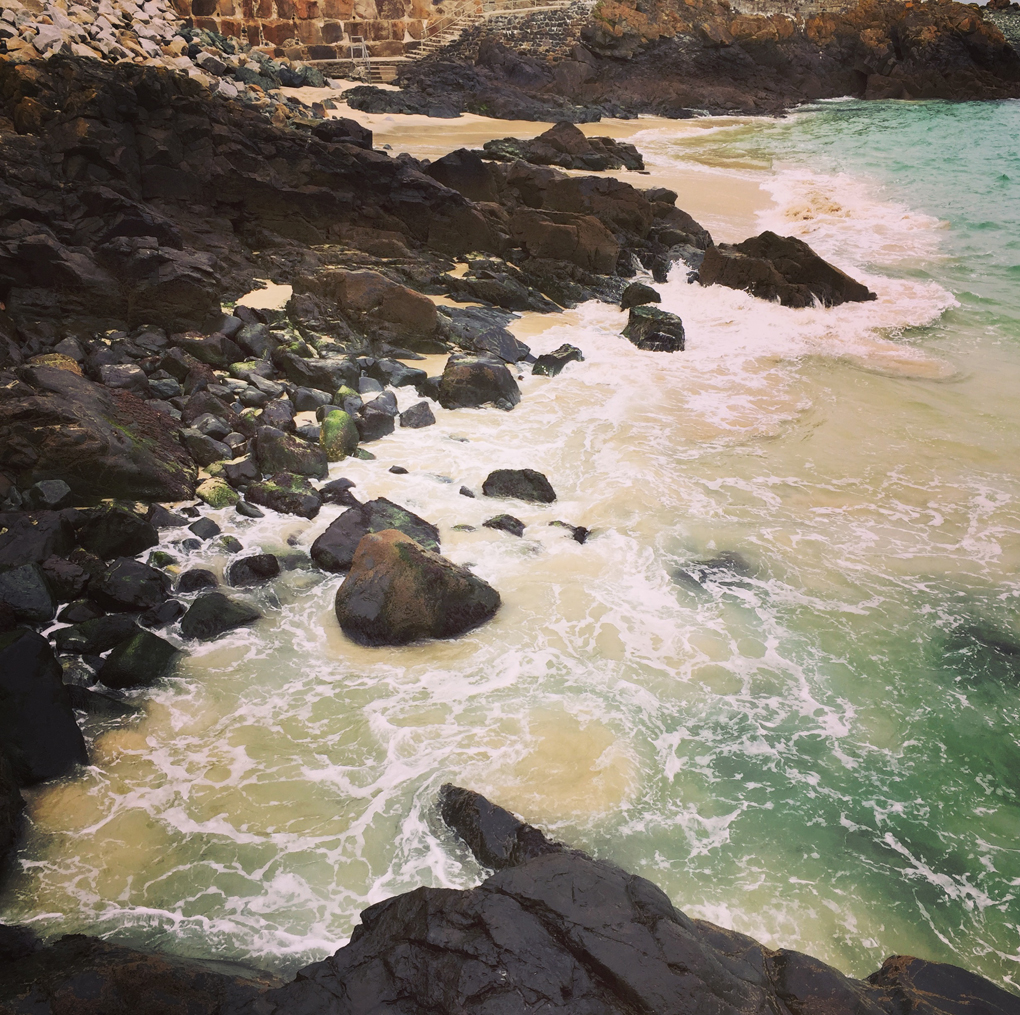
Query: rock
{"points": [[25, 590], [506, 523], [385, 402], [48, 495], [196, 579], [465, 172], [117, 532], [309, 399], [231, 544], [655, 330], [395, 373], [217, 493], [286, 493], [780, 268], [473, 379], [566, 236], [162, 518], [140, 661], [398, 592], [128, 585], [373, 423], [248, 510], [277, 452], [638, 294], [215, 350], [566, 146], [552, 363], [322, 374], [93, 637], [37, 725], [577, 532], [397, 470], [65, 579], [203, 448], [33, 538], [278, 413], [417, 416], [338, 491], [481, 329], [334, 550], [343, 130], [78, 611], [100, 441], [523, 484], [163, 615], [252, 570], [125, 376], [93, 702], [205, 528], [239, 472], [11, 805], [338, 436], [466, 491], [214, 614]]}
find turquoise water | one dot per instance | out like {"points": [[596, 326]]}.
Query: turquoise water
{"points": [[817, 744]]}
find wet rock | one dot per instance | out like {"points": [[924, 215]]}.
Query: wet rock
{"points": [[505, 523], [343, 130], [163, 615], [215, 350], [78, 611], [466, 491], [196, 579], [726, 568], [125, 376], [398, 592], [278, 413], [93, 637], [140, 661], [66, 580], [781, 268], [395, 373], [248, 510], [338, 435], [322, 374], [117, 532], [655, 330], [48, 495], [230, 544], [277, 452], [204, 528], [33, 538], [214, 614], [203, 448], [373, 423], [25, 590], [638, 294], [417, 416], [338, 491], [309, 399], [523, 484], [473, 379], [552, 363], [286, 493], [11, 805], [564, 145], [100, 441], [162, 518], [239, 472], [334, 550], [577, 532], [96, 703], [37, 725], [482, 329], [128, 585], [217, 493], [253, 570]]}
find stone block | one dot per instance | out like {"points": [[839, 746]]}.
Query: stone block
{"points": [[230, 27], [253, 30], [309, 32], [307, 9], [378, 31], [389, 48], [337, 10], [285, 9], [416, 29], [226, 8], [332, 32], [208, 24], [278, 33], [322, 53], [393, 10], [263, 8]]}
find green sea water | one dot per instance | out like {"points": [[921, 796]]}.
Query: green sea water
{"points": [[813, 739]]}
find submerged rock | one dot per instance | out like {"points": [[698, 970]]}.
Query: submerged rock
{"points": [[138, 662], [781, 268], [259, 567], [214, 614], [524, 484], [655, 330], [399, 592], [505, 523], [552, 363]]}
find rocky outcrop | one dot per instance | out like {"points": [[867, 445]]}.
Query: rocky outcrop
{"points": [[655, 330], [399, 592], [566, 146], [781, 268], [522, 484], [471, 380], [554, 930]]}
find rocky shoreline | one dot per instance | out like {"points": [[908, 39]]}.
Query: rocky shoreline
{"points": [[136, 207]]}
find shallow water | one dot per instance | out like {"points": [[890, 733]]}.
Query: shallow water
{"points": [[814, 741]]}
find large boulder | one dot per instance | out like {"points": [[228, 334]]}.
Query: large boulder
{"points": [[319, 374], [101, 441], [465, 172], [286, 493], [276, 451], [566, 146], [32, 538], [117, 532], [655, 330], [473, 379], [213, 614], [130, 586], [483, 329], [565, 236], [334, 550], [253, 570], [37, 726], [26, 591], [95, 636], [338, 435], [781, 268], [140, 661], [398, 592], [552, 363], [522, 484]]}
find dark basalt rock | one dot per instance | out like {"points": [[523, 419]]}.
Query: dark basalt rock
{"points": [[338, 491], [138, 662], [104, 706], [552, 363], [163, 615], [117, 532], [25, 590], [505, 523], [128, 585], [637, 294], [564, 145], [32, 538], [66, 579], [11, 805], [37, 726], [398, 592], [655, 330], [471, 380], [195, 579], [373, 423], [323, 374], [259, 567], [482, 329], [417, 416], [214, 614], [334, 550], [524, 484], [48, 495], [577, 532], [277, 452], [465, 172], [286, 493], [781, 268], [93, 637]]}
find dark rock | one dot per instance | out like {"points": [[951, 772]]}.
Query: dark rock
{"points": [[33, 538], [369, 386], [205, 528], [579, 239], [395, 373], [638, 294], [93, 637], [128, 585], [323, 374], [11, 805], [277, 452], [252, 570], [726, 568], [100, 441], [499, 283], [203, 448], [231, 544], [467, 492], [338, 491], [566, 146], [465, 172], [66, 580], [98, 704], [286, 493], [398, 592], [195, 579], [278, 413], [334, 550], [214, 614], [386, 402], [239, 472], [48, 495], [523, 484], [373, 423], [343, 130], [139, 661], [477, 379], [79, 611], [417, 416], [780, 268], [655, 330], [25, 590], [506, 523], [37, 725], [211, 425], [248, 510], [552, 363], [117, 532], [163, 615], [215, 350], [125, 376], [577, 532], [481, 329], [162, 518], [309, 399], [397, 470]]}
